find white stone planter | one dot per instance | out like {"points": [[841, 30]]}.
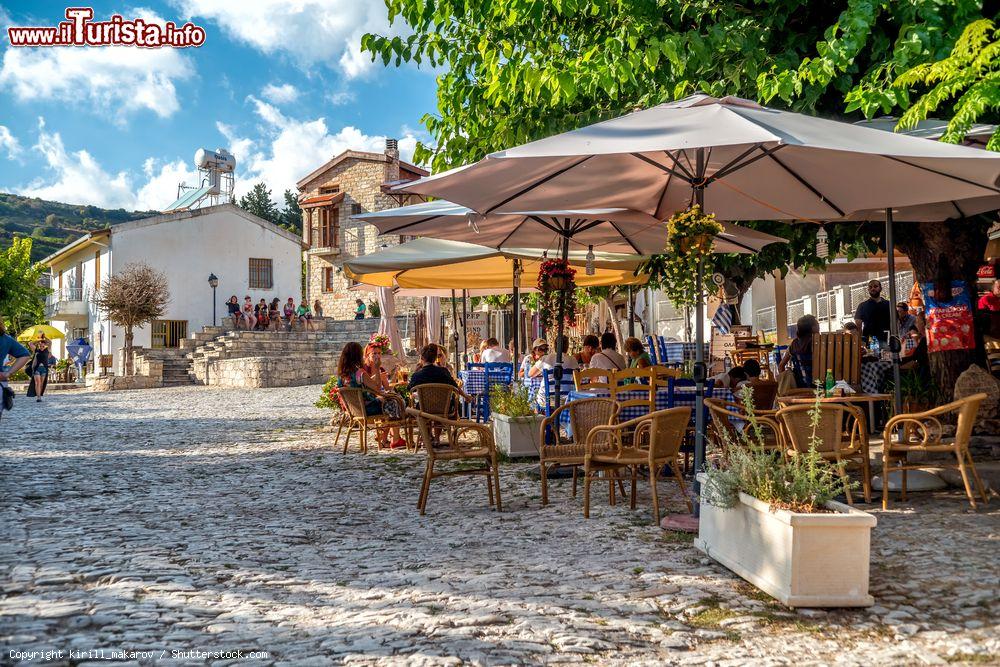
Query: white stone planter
{"points": [[517, 436], [803, 560]]}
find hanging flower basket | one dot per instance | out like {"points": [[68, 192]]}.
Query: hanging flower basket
{"points": [[690, 243], [555, 280]]}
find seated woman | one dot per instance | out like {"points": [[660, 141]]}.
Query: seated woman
{"points": [[638, 357], [915, 350], [442, 359], [263, 316], [799, 353], [373, 368], [352, 373], [234, 311]]}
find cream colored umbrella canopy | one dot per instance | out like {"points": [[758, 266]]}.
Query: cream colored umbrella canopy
{"points": [[426, 263]]}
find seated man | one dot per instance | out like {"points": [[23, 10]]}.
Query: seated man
{"points": [[608, 358], [752, 368], [429, 372], [493, 353], [732, 379]]}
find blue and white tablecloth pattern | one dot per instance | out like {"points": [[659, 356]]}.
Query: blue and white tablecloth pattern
{"points": [[873, 375], [682, 397], [473, 381], [678, 352]]}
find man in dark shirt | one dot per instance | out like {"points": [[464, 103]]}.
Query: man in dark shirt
{"points": [[873, 314], [430, 372]]}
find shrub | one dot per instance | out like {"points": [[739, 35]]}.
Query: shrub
{"points": [[512, 402], [802, 483]]}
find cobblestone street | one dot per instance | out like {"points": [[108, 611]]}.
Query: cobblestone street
{"points": [[224, 520]]}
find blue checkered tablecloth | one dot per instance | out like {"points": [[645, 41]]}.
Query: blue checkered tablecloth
{"points": [[682, 396], [678, 352], [473, 380], [873, 374]]}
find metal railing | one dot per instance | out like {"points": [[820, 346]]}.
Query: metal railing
{"points": [[65, 294]]}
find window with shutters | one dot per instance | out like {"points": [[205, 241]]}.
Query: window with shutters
{"points": [[328, 279], [329, 227], [261, 274]]}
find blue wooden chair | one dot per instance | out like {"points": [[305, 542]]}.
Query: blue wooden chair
{"points": [[654, 353], [497, 373]]}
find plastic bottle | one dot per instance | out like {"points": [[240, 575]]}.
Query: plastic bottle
{"points": [[829, 382]]}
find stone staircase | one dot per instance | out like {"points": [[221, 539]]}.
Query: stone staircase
{"points": [[221, 356]]}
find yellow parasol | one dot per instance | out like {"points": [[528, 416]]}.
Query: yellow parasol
{"points": [[32, 333]]}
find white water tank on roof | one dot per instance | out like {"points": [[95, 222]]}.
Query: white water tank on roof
{"points": [[218, 160]]}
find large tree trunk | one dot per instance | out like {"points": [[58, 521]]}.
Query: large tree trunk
{"points": [[958, 245], [616, 325], [128, 351]]}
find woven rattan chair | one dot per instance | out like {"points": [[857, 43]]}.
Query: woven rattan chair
{"points": [[656, 439], [728, 417], [442, 400], [764, 393], [354, 400], [480, 447], [841, 434], [738, 357], [922, 432], [584, 415], [592, 378]]}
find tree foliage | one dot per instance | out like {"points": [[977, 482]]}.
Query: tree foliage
{"points": [[967, 81], [519, 70], [258, 201], [131, 298], [22, 298], [291, 216]]}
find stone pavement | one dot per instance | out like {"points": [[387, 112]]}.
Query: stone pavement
{"points": [[221, 520]]}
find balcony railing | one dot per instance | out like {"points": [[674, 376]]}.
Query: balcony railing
{"points": [[67, 301]]}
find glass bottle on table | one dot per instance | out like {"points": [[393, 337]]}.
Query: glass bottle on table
{"points": [[829, 383]]}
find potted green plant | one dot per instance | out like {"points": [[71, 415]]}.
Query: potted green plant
{"points": [[772, 520], [515, 423], [919, 393], [690, 242]]}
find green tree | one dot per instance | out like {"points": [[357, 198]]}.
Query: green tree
{"points": [[258, 201], [22, 297], [291, 216]]}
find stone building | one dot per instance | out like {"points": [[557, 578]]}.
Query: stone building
{"points": [[351, 183]]}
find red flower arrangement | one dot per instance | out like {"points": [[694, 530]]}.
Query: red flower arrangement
{"points": [[556, 276]]}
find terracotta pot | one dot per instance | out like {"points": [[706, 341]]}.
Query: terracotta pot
{"points": [[703, 242]]}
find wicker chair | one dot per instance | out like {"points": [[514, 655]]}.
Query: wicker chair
{"points": [[758, 354], [922, 432], [442, 400], [657, 439], [354, 400], [723, 432], [838, 422], [584, 415], [481, 447], [764, 393]]}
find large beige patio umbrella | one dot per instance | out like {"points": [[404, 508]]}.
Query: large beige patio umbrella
{"points": [[735, 158]]}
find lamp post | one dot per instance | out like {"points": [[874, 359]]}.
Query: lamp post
{"points": [[213, 281]]}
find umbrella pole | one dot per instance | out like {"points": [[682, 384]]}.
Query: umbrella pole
{"points": [[465, 326], [561, 327], [699, 355], [894, 342], [454, 327], [516, 307], [630, 312]]}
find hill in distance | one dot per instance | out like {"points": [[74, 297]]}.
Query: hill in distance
{"points": [[51, 225]]}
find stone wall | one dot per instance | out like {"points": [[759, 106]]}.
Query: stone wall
{"points": [[361, 180], [251, 372]]}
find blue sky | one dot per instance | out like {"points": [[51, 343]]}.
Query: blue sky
{"points": [[282, 85]]}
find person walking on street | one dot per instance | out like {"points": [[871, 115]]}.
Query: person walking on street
{"points": [[9, 347], [40, 365]]}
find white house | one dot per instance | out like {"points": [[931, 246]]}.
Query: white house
{"points": [[249, 255]]}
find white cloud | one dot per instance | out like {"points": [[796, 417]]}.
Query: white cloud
{"points": [[311, 31], [282, 94], [290, 148], [9, 143], [77, 178], [115, 79], [342, 97]]}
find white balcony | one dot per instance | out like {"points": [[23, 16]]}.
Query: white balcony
{"points": [[67, 302]]}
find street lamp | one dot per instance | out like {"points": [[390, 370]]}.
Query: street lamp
{"points": [[213, 282]]}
